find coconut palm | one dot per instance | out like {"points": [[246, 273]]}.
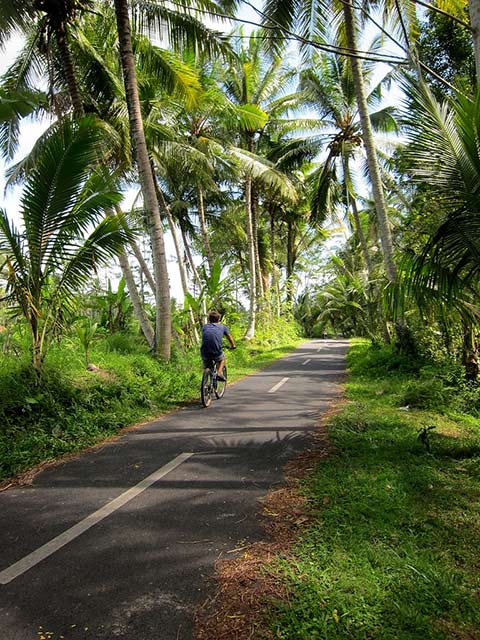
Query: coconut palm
{"points": [[328, 87], [63, 237], [49, 24], [182, 28], [254, 81], [312, 22], [443, 152]]}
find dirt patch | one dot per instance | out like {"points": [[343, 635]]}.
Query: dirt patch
{"points": [[458, 632], [247, 584]]}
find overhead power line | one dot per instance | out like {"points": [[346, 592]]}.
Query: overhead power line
{"points": [[343, 51], [292, 36]]}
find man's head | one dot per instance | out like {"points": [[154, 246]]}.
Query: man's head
{"points": [[213, 316]]}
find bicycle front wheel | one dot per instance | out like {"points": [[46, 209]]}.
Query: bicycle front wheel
{"points": [[206, 389], [220, 388]]}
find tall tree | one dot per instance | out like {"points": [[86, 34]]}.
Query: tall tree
{"points": [[253, 82], [47, 20], [281, 16], [163, 329]]}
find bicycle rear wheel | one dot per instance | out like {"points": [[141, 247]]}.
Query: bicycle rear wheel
{"points": [[220, 388], [206, 389]]}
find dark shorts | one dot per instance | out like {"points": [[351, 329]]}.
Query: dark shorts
{"points": [[207, 360]]}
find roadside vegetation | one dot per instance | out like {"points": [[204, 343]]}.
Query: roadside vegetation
{"points": [[73, 408], [390, 550]]}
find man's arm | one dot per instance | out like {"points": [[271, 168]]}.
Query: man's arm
{"points": [[230, 339]]}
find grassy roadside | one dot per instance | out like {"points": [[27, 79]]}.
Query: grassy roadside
{"points": [[391, 551], [73, 409]]}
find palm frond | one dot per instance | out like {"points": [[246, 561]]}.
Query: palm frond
{"points": [[103, 243], [384, 120], [14, 106], [15, 16], [181, 30], [265, 172], [169, 70]]}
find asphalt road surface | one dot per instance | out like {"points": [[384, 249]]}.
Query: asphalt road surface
{"points": [[121, 542]]}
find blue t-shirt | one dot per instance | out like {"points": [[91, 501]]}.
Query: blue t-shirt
{"points": [[212, 334]]}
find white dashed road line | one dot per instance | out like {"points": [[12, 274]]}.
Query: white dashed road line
{"points": [[29, 561], [278, 385]]}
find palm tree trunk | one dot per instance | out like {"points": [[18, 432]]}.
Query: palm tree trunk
{"points": [[372, 160], [250, 333], [470, 352], [474, 11], [137, 304], [163, 328], [274, 285], [203, 229], [138, 308], [36, 342], [290, 263], [61, 37], [258, 270], [196, 276], [361, 237], [143, 265], [356, 217], [178, 251]]}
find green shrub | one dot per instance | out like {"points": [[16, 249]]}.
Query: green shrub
{"points": [[71, 408], [380, 360], [428, 393], [123, 343]]}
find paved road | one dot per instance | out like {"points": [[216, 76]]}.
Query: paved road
{"points": [[123, 563]]}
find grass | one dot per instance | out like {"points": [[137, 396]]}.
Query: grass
{"points": [[73, 409], [393, 551]]}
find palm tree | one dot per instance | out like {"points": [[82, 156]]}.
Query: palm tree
{"points": [[254, 82], [281, 16], [328, 87], [183, 30], [44, 21], [50, 258], [444, 152]]}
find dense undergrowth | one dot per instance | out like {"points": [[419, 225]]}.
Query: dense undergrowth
{"points": [[72, 408], [392, 553]]}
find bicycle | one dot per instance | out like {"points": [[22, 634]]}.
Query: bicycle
{"points": [[211, 385]]}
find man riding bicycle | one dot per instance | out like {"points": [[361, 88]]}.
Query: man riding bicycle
{"points": [[211, 349]]}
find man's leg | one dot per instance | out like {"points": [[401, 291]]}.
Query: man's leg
{"points": [[220, 366]]}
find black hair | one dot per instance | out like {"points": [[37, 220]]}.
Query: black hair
{"points": [[214, 316]]}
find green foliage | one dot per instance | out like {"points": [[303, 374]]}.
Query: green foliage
{"points": [[114, 306], [85, 330], [426, 394], [70, 408], [124, 343], [446, 47], [380, 361], [216, 292], [443, 151], [64, 238], [391, 550]]}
